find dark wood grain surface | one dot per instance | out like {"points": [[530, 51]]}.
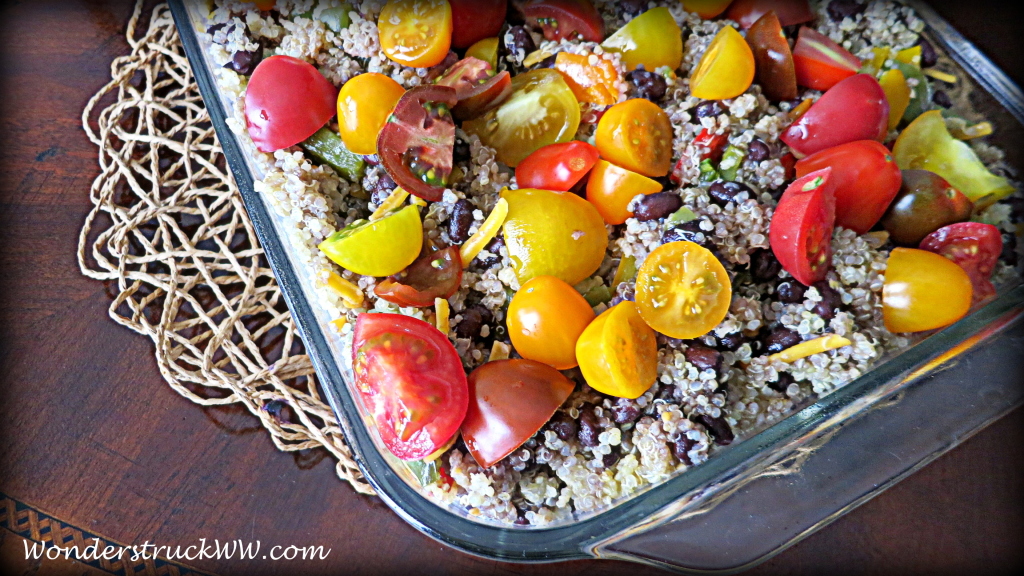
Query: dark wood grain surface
{"points": [[91, 434]]}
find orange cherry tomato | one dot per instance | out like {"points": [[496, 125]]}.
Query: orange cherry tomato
{"points": [[416, 33], [618, 352], [706, 9], [597, 83], [545, 319], [364, 104], [610, 189], [637, 135], [726, 69], [682, 290], [923, 291]]}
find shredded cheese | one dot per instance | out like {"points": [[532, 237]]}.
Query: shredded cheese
{"points": [[442, 449], [499, 351], [396, 199], [488, 230], [910, 56], [940, 75], [339, 323], [441, 311], [351, 295], [801, 108], [805, 349], [536, 57]]}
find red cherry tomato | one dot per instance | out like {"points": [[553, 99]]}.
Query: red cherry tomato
{"points": [[854, 109], [790, 12], [820, 62], [866, 180], [975, 247], [477, 87], [557, 167], [565, 19], [286, 101], [410, 380], [801, 229], [416, 144], [434, 275], [509, 401], [474, 20], [775, 69]]}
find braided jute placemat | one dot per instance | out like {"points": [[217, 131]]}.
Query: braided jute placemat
{"points": [[169, 234]]}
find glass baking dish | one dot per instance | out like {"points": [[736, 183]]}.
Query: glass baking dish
{"points": [[752, 499]]}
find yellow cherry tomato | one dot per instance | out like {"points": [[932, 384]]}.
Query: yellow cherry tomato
{"points": [[379, 247], [610, 189], [364, 104], [486, 50], [682, 290], [416, 33], [923, 291], [545, 319], [727, 68], [597, 83], [618, 352], [637, 135], [897, 92], [553, 234], [652, 39], [706, 9]]}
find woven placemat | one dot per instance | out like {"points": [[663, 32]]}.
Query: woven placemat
{"points": [[169, 234]]}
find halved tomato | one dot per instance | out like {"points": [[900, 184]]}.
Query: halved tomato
{"points": [[637, 135], [775, 69], [801, 229], [652, 39], [410, 380], [556, 166], [596, 83], [975, 247], [416, 33], [820, 62], [706, 9], [611, 188], [286, 101], [618, 352], [433, 275], [477, 87], [790, 12], [416, 144], [565, 19], [854, 109], [923, 291], [474, 20], [682, 290]]}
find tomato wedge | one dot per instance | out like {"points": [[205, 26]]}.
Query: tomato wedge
{"points": [[416, 144], [286, 101], [801, 229], [775, 69], [556, 167], [477, 87], [434, 275], [790, 12], [565, 19], [637, 135], [820, 62], [410, 380], [975, 247], [854, 109], [474, 20]]}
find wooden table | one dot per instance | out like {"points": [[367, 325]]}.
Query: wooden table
{"points": [[94, 442]]}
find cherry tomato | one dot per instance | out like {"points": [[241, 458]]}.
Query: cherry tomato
{"points": [[474, 20], [379, 248], [790, 12], [652, 39], [820, 62], [706, 9], [975, 247], [854, 109], [596, 83], [774, 62], [416, 33], [866, 180], [801, 229], [410, 380], [364, 104], [897, 93], [560, 19], [541, 110], [637, 135], [286, 101], [417, 143], [925, 203], [726, 69], [433, 275], [611, 189], [509, 402], [486, 50], [923, 291], [477, 87], [618, 352], [545, 318], [556, 166], [682, 290]]}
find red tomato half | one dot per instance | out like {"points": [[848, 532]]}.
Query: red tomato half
{"points": [[790, 12], [411, 381], [286, 101], [434, 275], [509, 401], [854, 109], [557, 167], [477, 87], [565, 19], [775, 71], [474, 20], [801, 229], [866, 180], [820, 62], [417, 142], [975, 247]]}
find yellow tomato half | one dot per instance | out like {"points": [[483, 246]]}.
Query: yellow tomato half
{"points": [[637, 135], [682, 290], [610, 189], [652, 39], [416, 33], [545, 319], [364, 104], [727, 68], [486, 50], [618, 352], [706, 9], [923, 291]]}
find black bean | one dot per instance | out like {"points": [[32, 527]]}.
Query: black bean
{"points": [[688, 231], [704, 358], [461, 151], [722, 191], [460, 221], [708, 109], [940, 98], [731, 342], [666, 392], [609, 459], [790, 292], [830, 301], [494, 248], [758, 151], [840, 9], [521, 521], [216, 28], [562, 425], [781, 338], [371, 160], [929, 57], [245, 62], [718, 428], [473, 319], [517, 39], [625, 412], [548, 62], [633, 7], [589, 429], [657, 206], [649, 85], [681, 447], [780, 385], [764, 266], [1009, 253]]}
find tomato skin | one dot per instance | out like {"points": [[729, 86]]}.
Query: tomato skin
{"points": [[571, 17], [800, 233], [433, 275], [975, 247], [821, 63], [407, 130], [411, 382], [379, 248], [611, 188], [556, 167], [866, 180], [401, 36], [545, 319], [775, 71], [652, 39], [924, 203], [706, 9], [364, 104], [790, 12], [286, 101], [923, 291], [726, 69], [474, 20], [509, 402], [854, 109], [637, 135], [486, 50], [618, 352]]}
